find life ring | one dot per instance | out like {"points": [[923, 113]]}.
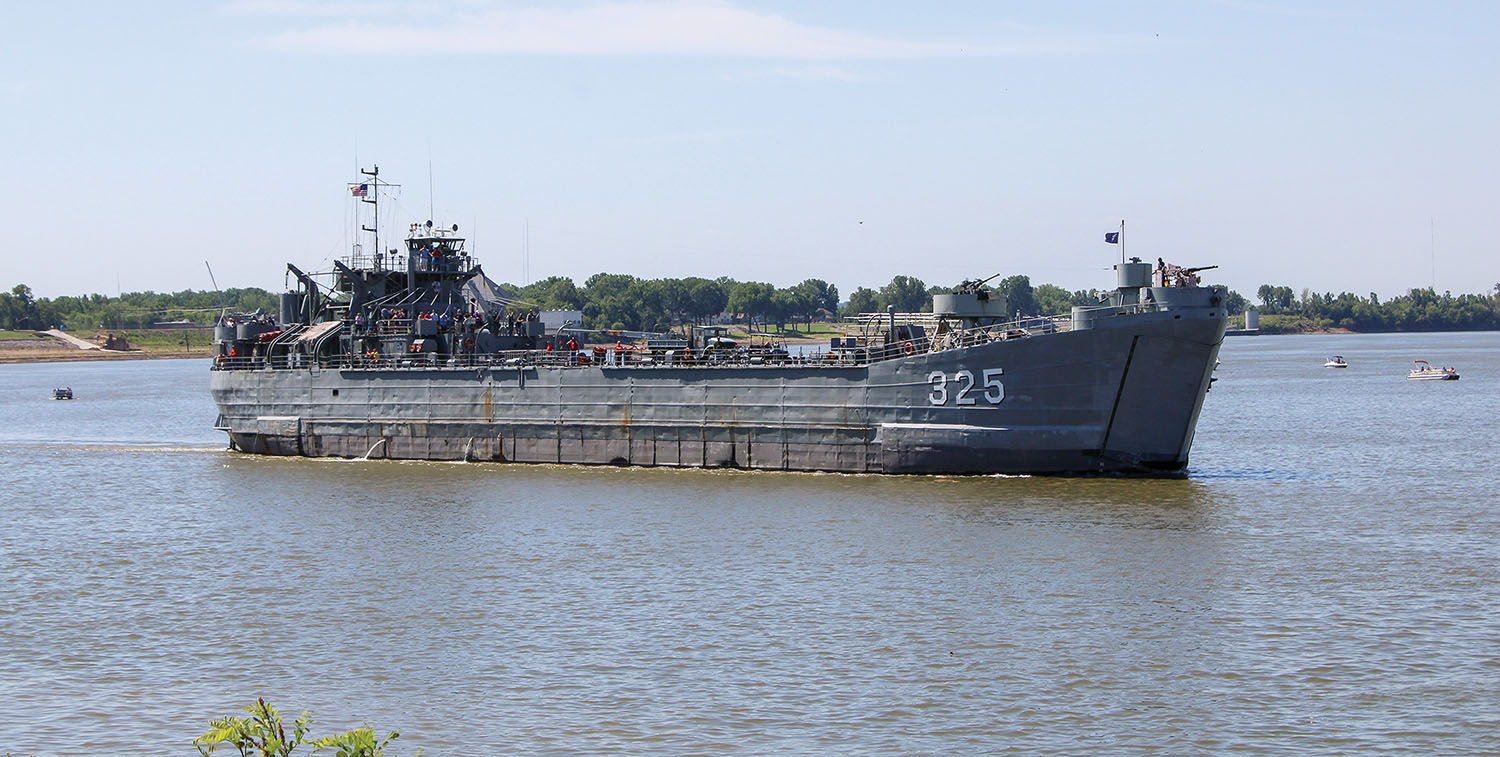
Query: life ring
{"points": [[469, 343], [909, 349]]}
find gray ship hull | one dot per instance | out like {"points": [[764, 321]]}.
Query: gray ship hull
{"points": [[1113, 398]]}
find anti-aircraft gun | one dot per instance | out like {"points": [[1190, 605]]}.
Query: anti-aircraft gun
{"points": [[975, 286], [1177, 276], [971, 304]]}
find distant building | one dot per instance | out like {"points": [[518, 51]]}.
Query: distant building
{"points": [[556, 319]]}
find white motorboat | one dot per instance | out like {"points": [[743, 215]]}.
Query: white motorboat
{"points": [[1422, 370]]}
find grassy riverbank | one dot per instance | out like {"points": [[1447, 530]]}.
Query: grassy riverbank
{"points": [[1298, 324], [34, 347]]}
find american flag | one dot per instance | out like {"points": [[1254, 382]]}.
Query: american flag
{"points": [[360, 190]]}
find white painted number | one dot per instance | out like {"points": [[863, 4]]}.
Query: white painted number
{"points": [[994, 389], [939, 383], [967, 379]]}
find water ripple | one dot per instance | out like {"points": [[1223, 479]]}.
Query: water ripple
{"points": [[1318, 585]]}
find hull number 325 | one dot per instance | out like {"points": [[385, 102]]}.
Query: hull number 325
{"points": [[964, 386]]}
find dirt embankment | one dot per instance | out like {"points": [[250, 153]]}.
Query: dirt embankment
{"points": [[41, 349]]}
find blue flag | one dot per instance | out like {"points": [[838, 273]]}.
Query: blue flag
{"points": [[1112, 237]]}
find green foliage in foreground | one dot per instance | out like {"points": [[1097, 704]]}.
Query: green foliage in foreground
{"points": [[263, 734]]}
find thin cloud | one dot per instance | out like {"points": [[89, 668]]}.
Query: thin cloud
{"points": [[643, 27]]}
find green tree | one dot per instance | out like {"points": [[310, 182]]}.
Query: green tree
{"points": [[1275, 299], [862, 301], [1054, 300], [1019, 294], [751, 299], [24, 308], [785, 303], [607, 302], [815, 294], [907, 293], [709, 298], [9, 311], [1235, 303], [551, 293], [651, 299]]}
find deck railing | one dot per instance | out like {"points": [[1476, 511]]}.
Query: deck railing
{"points": [[846, 357]]}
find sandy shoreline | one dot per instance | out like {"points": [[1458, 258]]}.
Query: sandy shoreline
{"points": [[49, 351], [82, 356]]}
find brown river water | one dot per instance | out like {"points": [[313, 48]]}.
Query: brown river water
{"points": [[1324, 582]]}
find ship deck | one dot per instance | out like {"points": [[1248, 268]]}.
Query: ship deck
{"points": [[758, 356]]}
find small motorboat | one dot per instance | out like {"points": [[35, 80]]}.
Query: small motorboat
{"points": [[1336, 361], [1421, 370], [62, 393]]}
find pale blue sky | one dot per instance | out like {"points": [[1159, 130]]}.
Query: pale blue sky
{"points": [[1312, 144]]}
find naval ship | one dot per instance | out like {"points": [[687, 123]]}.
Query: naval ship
{"points": [[409, 355]]}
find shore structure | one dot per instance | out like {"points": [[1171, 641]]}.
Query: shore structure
{"points": [[412, 356]]}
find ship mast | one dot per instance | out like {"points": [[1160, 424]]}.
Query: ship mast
{"points": [[373, 199]]}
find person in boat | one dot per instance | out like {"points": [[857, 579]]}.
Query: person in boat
{"points": [[424, 259]]}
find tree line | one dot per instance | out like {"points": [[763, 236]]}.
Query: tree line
{"points": [[607, 301], [1417, 310], [622, 301], [20, 310]]}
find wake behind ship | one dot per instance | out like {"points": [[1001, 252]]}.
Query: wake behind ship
{"points": [[414, 355]]}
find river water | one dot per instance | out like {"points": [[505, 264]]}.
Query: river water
{"points": [[1324, 582]]}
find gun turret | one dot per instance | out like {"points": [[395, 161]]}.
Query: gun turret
{"points": [[972, 286]]}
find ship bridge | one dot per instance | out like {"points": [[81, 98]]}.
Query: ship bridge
{"points": [[437, 250]]}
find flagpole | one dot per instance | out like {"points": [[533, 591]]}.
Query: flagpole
{"points": [[1122, 240]]}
